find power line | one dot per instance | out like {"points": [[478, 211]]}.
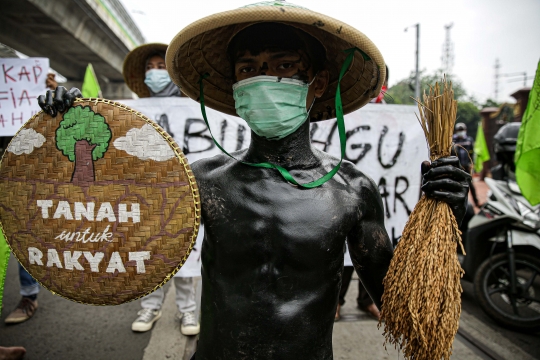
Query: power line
{"points": [[518, 76]]}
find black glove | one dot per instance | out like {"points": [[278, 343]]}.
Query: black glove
{"points": [[59, 100], [444, 180]]}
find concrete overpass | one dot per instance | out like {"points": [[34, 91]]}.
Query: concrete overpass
{"points": [[73, 33]]}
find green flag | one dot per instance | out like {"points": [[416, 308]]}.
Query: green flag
{"points": [[90, 86], [4, 258], [528, 146], [481, 152]]}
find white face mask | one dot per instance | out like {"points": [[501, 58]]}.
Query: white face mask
{"points": [[273, 107], [462, 134], [157, 79]]}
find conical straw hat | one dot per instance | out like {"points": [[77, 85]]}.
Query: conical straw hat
{"points": [[201, 48], [134, 68]]}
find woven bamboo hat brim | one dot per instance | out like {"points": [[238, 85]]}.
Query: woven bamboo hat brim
{"points": [[134, 68], [201, 48]]}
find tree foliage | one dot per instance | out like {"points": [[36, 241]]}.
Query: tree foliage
{"points": [[403, 91], [468, 110], [81, 123]]}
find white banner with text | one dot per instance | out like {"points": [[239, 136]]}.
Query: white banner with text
{"points": [[21, 82], [386, 142]]}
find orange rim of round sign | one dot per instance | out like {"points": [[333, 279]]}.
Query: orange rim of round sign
{"points": [[193, 199]]}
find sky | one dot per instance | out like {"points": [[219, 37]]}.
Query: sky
{"points": [[483, 31]]}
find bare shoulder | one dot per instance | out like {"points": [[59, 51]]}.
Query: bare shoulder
{"points": [[210, 168], [358, 178]]}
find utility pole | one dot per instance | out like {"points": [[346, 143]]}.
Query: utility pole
{"points": [[417, 75], [448, 51], [497, 66]]}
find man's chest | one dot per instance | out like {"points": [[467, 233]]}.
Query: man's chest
{"points": [[268, 218]]}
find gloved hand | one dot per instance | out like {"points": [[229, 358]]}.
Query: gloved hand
{"points": [[444, 180], [58, 100]]}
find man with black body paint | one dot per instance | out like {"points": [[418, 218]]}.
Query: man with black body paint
{"points": [[273, 252]]}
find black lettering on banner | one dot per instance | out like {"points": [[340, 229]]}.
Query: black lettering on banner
{"points": [[312, 130], [163, 121], [398, 195], [364, 148], [196, 135], [328, 141], [223, 131], [398, 151], [384, 194], [240, 135]]}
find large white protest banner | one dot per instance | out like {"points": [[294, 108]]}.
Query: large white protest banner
{"points": [[21, 82], [384, 141]]}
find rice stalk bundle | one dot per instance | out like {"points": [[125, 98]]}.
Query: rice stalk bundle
{"points": [[422, 289]]}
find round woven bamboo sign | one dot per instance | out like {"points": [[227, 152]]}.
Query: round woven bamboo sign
{"points": [[98, 204]]}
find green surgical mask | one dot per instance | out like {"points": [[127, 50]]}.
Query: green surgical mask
{"points": [[273, 107]]}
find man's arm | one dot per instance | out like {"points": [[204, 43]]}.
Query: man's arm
{"points": [[369, 244]]}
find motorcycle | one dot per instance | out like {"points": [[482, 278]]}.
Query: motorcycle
{"points": [[502, 244]]}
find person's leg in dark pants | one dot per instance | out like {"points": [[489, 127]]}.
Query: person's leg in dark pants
{"points": [[345, 281], [472, 188], [365, 302], [28, 304]]}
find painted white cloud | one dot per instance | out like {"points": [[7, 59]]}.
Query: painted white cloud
{"points": [[145, 143], [25, 142]]}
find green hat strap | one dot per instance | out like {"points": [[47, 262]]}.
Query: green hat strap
{"points": [[340, 122]]}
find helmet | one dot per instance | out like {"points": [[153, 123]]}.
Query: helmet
{"points": [[506, 138], [461, 126]]}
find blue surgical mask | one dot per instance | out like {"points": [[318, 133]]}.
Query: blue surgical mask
{"points": [[157, 79], [273, 107]]}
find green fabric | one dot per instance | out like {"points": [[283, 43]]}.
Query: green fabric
{"points": [[340, 122], [528, 146], [273, 107], [90, 87], [4, 258], [481, 152]]}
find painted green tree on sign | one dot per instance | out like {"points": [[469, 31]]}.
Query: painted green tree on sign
{"points": [[83, 136]]}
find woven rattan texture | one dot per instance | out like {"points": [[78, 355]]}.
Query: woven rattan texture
{"points": [[165, 191], [134, 67], [201, 48]]}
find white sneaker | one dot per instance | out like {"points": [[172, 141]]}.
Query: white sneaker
{"points": [[146, 319], [190, 324]]}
